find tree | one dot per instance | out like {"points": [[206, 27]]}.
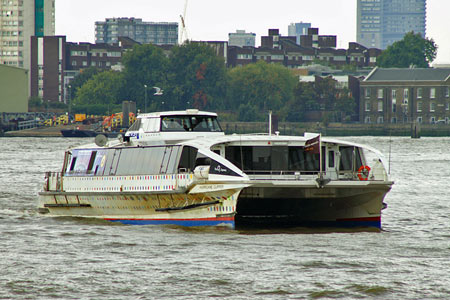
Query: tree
{"points": [[197, 77], [304, 99], [413, 49], [103, 88], [82, 78], [145, 65], [261, 85]]}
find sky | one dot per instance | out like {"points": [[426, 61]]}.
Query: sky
{"points": [[211, 20]]}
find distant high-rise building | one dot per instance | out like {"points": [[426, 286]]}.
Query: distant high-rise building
{"points": [[19, 21], [298, 29], [158, 33], [241, 38], [383, 22]]}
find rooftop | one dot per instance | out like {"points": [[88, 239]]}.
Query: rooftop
{"points": [[412, 74]]}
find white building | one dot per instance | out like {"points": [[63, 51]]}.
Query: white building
{"points": [[240, 38]]}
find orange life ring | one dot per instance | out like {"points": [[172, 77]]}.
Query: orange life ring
{"points": [[363, 173]]}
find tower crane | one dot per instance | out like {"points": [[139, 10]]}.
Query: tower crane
{"points": [[184, 33]]}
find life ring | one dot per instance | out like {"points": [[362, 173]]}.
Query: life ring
{"points": [[363, 173]]}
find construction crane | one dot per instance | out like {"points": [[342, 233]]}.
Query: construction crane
{"points": [[184, 33]]}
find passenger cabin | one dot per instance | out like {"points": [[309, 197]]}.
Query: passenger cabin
{"points": [[174, 126]]}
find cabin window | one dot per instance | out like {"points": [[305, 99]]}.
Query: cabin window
{"points": [[147, 160], [80, 161], [272, 159], [187, 159], [72, 165], [330, 159], [350, 158], [91, 161]]}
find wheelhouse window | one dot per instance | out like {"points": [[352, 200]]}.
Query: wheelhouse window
{"points": [[190, 123]]}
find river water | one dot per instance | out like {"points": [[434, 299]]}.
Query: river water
{"points": [[67, 258]]}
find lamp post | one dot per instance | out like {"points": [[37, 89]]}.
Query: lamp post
{"points": [[145, 101], [70, 100]]}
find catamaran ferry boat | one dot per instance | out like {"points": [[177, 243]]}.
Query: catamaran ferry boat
{"points": [[180, 168]]}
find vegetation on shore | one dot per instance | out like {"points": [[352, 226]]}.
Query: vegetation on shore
{"points": [[193, 76]]}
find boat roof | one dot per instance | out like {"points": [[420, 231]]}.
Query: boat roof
{"points": [[187, 112], [274, 140]]}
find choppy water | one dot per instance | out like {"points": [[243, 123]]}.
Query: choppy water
{"points": [[66, 258]]}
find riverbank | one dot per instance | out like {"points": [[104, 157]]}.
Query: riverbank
{"points": [[43, 131], [340, 129], [285, 128]]}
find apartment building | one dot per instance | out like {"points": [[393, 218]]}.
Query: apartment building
{"points": [[19, 21], [241, 38], [284, 50], [158, 33], [55, 62], [383, 22], [298, 29]]}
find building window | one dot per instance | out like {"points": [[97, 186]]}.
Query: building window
{"points": [[432, 106], [380, 105], [394, 105], [380, 120], [419, 106], [394, 94], [432, 93], [367, 105], [394, 120], [447, 105], [447, 91], [380, 93], [74, 63], [367, 92], [419, 120], [367, 120], [432, 120], [405, 94], [419, 93]]}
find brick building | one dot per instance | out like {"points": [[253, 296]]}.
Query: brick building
{"points": [[406, 95]]}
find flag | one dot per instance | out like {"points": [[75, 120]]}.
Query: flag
{"points": [[313, 145]]}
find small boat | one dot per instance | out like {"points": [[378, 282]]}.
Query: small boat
{"points": [[180, 168], [76, 132]]}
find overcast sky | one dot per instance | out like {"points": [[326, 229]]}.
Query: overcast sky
{"points": [[211, 20]]}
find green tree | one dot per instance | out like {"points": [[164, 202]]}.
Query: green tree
{"points": [[304, 99], [413, 49], [145, 65], [262, 86], [102, 89], [82, 78], [344, 106], [196, 77]]}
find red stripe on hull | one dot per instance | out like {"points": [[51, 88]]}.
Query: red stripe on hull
{"points": [[369, 219]]}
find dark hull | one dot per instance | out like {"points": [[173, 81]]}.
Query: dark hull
{"points": [[310, 207], [86, 133], [78, 133]]}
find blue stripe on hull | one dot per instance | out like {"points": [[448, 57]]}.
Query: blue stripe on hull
{"points": [[187, 223]]}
